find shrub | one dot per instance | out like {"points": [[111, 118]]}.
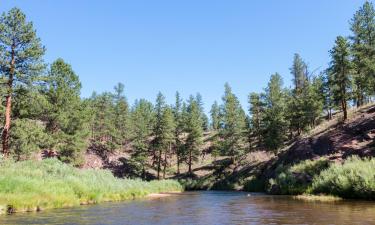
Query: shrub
{"points": [[296, 179], [355, 178], [28, 136]]}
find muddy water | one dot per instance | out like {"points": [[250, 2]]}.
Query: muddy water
{"points": [[207, 208]]}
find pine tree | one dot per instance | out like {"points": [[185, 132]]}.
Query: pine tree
{"points": [[20, 60], [159, 108], [275, 123], [257, 113], [121, 119], [304, 102], [204, 117], [65, 115], [168, 135], [185, 115], [142, 117], [340, 70], [297, 100], [164, 133], [323, 87], [313, 104], [102, 122], [195, 132], [215, 116], [234, 126], [363, 50], [179, 129], [298, 70]]}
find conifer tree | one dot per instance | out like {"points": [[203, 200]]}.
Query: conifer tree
{"points": [[204, 117], [65, 115], [183, 151], [121, 119], [102, 121], [160, 131], [313, 104], [157, 142], [20, 60], [195, 132], [215, 116], [324, 88], [168, 135], [234, 126], [275, 123], [340, 70], [179, 129], [304, 104], [142, 117], [363, 50], [297, 100], [298, 70], [257, 113]]}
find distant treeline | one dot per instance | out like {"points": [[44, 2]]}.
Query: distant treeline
{"points": [[42, 108]]}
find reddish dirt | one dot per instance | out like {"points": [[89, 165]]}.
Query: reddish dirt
{"points": [[336, 142]]}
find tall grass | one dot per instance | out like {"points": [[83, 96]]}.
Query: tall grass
{"points": [[31, 186], [355, 178]]}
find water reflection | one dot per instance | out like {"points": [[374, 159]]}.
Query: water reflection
{"points": [[207, 208]]}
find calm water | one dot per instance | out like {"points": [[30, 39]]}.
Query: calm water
{"points": [[207, 208]]}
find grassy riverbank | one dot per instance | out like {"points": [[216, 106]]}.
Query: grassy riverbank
{"points": [[316, 179], [33, 186]]}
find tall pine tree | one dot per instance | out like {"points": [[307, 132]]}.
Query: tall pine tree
{"points": [[363, 50], [257, 113], [215, 116], [142, 117], [20, 60], [195, 132], [234, 125], [275, 123], [340, 70], [65, 115]]}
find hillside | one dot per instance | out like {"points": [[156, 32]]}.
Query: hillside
{"points": [[332, 140]]}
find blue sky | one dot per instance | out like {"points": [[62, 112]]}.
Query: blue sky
{"points": [[190, 46]]}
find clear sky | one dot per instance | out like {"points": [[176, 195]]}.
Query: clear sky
{"points": [[188, 45]]}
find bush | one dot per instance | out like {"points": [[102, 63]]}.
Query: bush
{"points": [[296, 179], [355, 178], [28, 136]]}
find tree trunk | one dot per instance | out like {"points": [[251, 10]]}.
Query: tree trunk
{"points": [[178, 163], [8, 105], [190, 159], [329, 114], [159, 164], [6, 129], [343, 105], [165, 161], [143, 172]]}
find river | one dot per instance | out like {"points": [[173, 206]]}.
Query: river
{"points": [[206, 207]]}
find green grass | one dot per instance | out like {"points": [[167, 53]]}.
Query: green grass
{"points": [[37, 185], [355, 178]]}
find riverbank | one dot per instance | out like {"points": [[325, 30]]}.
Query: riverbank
{"points": [[37, 185], [320, 179]]}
